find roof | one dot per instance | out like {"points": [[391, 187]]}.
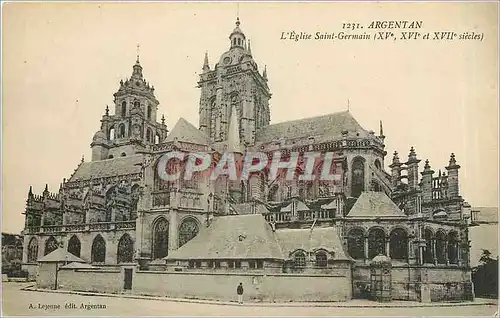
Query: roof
{"points": [[186, 132], [60, 255], [108, 168], [310, 240], [299, 207], [321, 127], [373, 205], [247, 208], [76, 265], [230, 237]]}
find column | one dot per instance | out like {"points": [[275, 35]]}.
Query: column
{"points": [[366, 249], [434, 256], [388, 246]]}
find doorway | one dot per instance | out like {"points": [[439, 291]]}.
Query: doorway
{"points": [[127, 279]]}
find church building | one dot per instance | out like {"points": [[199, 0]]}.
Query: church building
{"points": [[115, 212]]}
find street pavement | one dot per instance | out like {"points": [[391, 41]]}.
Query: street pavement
{"points": [[17, 302]]}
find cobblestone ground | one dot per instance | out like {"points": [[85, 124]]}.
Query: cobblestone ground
{"points": [[17, 302]]}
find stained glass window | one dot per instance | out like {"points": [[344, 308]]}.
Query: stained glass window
{"points": [[74, 246], [160, 239], [356, 243], [50, 245], [189, 228], [399, 244], [33, 250], [376, 243], [441, 247], [428, 254], [453, 248], [125, 253], [98, 250]]}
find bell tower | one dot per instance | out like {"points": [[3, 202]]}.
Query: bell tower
{"points": [[235, 82], [133, 127]]}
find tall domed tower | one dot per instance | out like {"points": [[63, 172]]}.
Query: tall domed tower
{"points": [[234, 81], [133, 127]]}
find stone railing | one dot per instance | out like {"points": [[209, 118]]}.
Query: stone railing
{"points": [[125, 225], [102, 226]]}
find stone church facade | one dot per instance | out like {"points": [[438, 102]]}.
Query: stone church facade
{"points": [[115, 210]]}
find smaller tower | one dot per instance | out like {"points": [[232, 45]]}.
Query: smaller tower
{"points": [[412, 165], [452, 180], [395, 170], [426, 184]]}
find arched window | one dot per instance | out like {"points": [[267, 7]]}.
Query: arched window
{"points": [[110, 157], [50, 245], [441, 247], [356, 243], [234, 41], [98, 253], [358, 177], [453, 248], [321, 259], [399, 244], [121, 129], [160, 239], [428, 254], [157, 139], [378, 165], [125, 252], [150, 113], [136, 103], [124, 109], [376, 243], [111, 134], [123, 154], [299, 259], [74, 246], [189, 229], [33, 250]]}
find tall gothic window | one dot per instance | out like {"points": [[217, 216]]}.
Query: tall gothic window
{"points": [[74, 246], [376, 243], [358, 177], [98, 252], [124, 109], [441, 247], [428, 254], [121, 130], [356, 243], [453, 248], [50, 245], [125, 252], [399, 244], [33, 250], [160, 239], [299, 259], [189, 229], [150, 113]]}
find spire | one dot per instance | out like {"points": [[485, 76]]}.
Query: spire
{"points": [[348, 105], [264, 74], [381, 130], [46, 188], [206, 66], [163, 119], [233, 137], [137, 73], [237, 37], [138, 47], [31, 191]]}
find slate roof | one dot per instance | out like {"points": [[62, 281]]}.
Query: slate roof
{"points": [[60, 255], [184, 131], [108, 168], [76, 265], [324, 127], [246, 208], [231, 237], [373, 205], [320, 237]]}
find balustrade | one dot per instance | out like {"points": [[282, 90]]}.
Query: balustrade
{"points": [[161, 199]]}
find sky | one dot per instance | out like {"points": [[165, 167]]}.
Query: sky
{"points": [[62, 62]]}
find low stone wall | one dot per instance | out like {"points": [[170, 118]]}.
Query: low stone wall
{"points": [[258, 287], [32, 270], [444, 283], [216, 286]]}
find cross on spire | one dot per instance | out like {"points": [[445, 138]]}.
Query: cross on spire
{"points": [[348, 105], [138, 50]]}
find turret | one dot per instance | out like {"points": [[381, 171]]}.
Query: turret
{"points": [[452, 180], [395, 170], [412, 165], [426, 184], [206, 66]]}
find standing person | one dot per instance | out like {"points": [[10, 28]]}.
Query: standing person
{"points": [[239, 291]]}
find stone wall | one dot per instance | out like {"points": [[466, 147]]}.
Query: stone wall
{"points": [[218, 286], [46, 275]]}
